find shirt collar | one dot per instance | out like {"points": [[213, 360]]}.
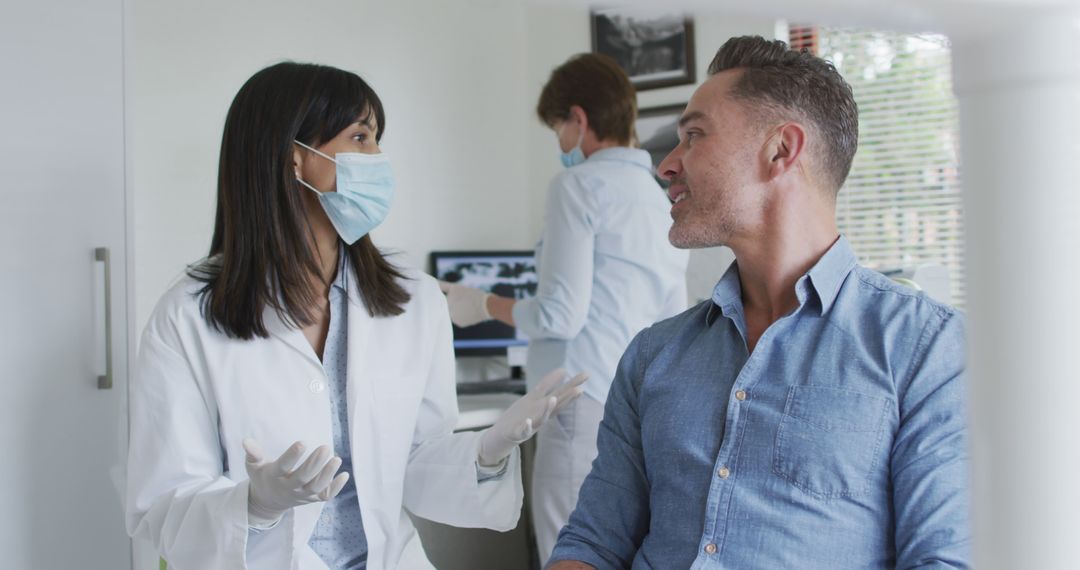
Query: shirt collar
{"points": [[634, 156], [826, 277], [341, 281], [728, 291], [829, 273]]}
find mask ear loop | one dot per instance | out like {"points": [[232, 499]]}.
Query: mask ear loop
{"points": [[297, 172], [318, 152], [312, 188]]}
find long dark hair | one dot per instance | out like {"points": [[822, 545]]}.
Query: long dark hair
{"points": [[260, 255]]}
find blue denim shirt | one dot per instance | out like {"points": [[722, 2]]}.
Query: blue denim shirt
{"points": [[841, 442]]}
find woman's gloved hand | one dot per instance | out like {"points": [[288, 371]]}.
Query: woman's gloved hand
{"points": [[277, 486], [468, 305], [522, 420]]}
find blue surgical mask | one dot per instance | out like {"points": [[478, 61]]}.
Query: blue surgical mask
{"points": [[575, 156], [365, 190]]}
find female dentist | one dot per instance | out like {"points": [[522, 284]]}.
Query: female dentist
{"points": [[294, 392]]}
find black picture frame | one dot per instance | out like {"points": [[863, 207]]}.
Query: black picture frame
{"points": [[657, 130], [654, 46]]}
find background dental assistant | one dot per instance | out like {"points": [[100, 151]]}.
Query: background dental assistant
{"points": [[605, 270]]}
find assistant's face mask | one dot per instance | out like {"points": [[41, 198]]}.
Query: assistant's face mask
{"points": [[365, 190], [575, 156]]}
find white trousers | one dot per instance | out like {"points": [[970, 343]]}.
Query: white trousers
{"points": [[565, 449]]}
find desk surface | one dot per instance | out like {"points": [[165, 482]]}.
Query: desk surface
{"points": [[509, 385], [481, 410]]}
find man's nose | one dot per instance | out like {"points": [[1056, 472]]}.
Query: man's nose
{"points": [[671, 166]]}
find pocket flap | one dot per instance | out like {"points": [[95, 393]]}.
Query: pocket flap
{"points": [[836, 409]]}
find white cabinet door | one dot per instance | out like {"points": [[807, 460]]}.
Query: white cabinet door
{"points": [[61, 196]]}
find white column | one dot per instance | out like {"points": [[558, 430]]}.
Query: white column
{"points": [[1019, 89]]}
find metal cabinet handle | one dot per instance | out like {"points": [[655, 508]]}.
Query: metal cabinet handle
{"points": [[105, 382]]}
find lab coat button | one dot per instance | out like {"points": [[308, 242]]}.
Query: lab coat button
{"points": [[316, 386], [710, 548]]}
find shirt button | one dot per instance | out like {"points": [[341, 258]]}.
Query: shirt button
{"points": [[316, 386], [723, 472], [710, 548], [740, 395]]}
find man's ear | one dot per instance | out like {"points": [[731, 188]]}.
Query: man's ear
{"points": [[785, 149]]}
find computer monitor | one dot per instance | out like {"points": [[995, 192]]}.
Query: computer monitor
{"points": [[505, 273]]}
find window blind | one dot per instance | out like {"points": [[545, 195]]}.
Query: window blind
{"points": [[901, 204]]}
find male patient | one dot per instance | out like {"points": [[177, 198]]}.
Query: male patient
{"points": [[812, 413]]}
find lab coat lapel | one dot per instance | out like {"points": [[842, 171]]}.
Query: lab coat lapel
{"points": [[362, 368], [289, 334], [361, 365]]}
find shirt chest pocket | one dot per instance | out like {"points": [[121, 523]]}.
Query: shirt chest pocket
{"points": [[829, 440]]}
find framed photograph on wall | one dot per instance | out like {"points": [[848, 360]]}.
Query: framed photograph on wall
{"points": [[658, 132], [654, 45]]}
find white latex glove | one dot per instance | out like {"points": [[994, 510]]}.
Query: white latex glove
{"points": [[277, 486], [518, 423], [468, 305]]}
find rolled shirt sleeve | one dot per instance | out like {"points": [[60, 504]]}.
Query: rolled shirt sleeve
{"points": [[930, 462]]}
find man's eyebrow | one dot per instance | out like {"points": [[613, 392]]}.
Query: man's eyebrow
{"points": [[691, 116]]}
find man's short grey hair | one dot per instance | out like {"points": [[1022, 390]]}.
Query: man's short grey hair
{"points": [[780, 81]]}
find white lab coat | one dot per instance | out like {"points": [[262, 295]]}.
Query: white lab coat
{"points": [[196, 394]]}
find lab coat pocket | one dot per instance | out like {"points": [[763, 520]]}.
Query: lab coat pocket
{"points": [[829, 439], [397, 405]]}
